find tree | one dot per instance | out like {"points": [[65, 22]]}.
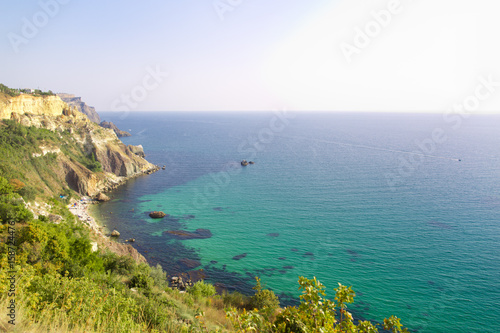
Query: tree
{"points": [[263, 298]]}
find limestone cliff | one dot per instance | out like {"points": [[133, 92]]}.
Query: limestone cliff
{"points": [[47, 106], [81, 106], [85, 143]]}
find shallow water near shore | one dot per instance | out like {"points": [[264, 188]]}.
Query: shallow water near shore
{"points": [[368, 200]]}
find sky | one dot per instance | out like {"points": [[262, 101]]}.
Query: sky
{"points": [[254, 55]]}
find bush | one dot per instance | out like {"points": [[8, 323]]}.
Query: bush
{"points": [[121, 265], [12, 208], [202, 289], [159, 276], [236, 300], [263, 298], [141, 278], [92, 164], [316, 313]]}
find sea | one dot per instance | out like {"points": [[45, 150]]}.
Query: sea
{"points": [[405, 208]]}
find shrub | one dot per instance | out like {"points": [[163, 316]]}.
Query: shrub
{"points": [[263, 298], [316, 313], [235, 299], [121, 265], [12, 207], [159, 276], [141, 278], [202, 289]]}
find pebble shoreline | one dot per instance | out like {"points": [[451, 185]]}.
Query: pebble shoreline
{"points": [[80, 210]]}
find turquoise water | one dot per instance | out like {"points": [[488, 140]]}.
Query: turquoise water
{"points": [[332, 195]]}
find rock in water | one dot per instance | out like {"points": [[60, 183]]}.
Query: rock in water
{"points": [[102, 197], [115, 234], [157, 214]]}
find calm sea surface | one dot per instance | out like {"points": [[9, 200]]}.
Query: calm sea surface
{"points": [[405, 208]]}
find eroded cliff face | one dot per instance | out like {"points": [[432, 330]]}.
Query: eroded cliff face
{"points": [[48, 106], [119, 162]]}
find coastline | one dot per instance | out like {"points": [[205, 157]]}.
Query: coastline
{"points": [[82, 209]]}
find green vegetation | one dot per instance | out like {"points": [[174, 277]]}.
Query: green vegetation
{"points": [[316, 313], [22, 158], [16, 92], [62, 285], [9, 91]]}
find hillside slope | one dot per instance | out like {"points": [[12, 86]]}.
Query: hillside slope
{"points": [[59, 147]]}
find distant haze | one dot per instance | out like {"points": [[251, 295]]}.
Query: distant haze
{"points": [[344, 55]]}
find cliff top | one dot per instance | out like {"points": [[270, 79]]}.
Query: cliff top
{"points": [[65, 95]]}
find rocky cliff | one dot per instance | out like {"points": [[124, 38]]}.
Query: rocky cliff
{"points": [[89, 111], [47, 106], [84, 145]]}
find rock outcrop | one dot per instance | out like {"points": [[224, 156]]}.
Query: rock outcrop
{"points": [[77, 102], [138, 150], [119, 133], [102, 197], [121, 249]]}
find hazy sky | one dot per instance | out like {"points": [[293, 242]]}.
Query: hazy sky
{"points": [[370, 55]]}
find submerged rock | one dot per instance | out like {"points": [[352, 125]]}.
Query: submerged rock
{"points": [[183, 234], [189, 263], [240, 256]]}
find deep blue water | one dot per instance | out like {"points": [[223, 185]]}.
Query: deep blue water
{"points": [[405, 208]]}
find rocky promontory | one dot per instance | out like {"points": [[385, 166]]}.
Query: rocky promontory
{"points": [[81, 106], [119, 133], [94, 159]]}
